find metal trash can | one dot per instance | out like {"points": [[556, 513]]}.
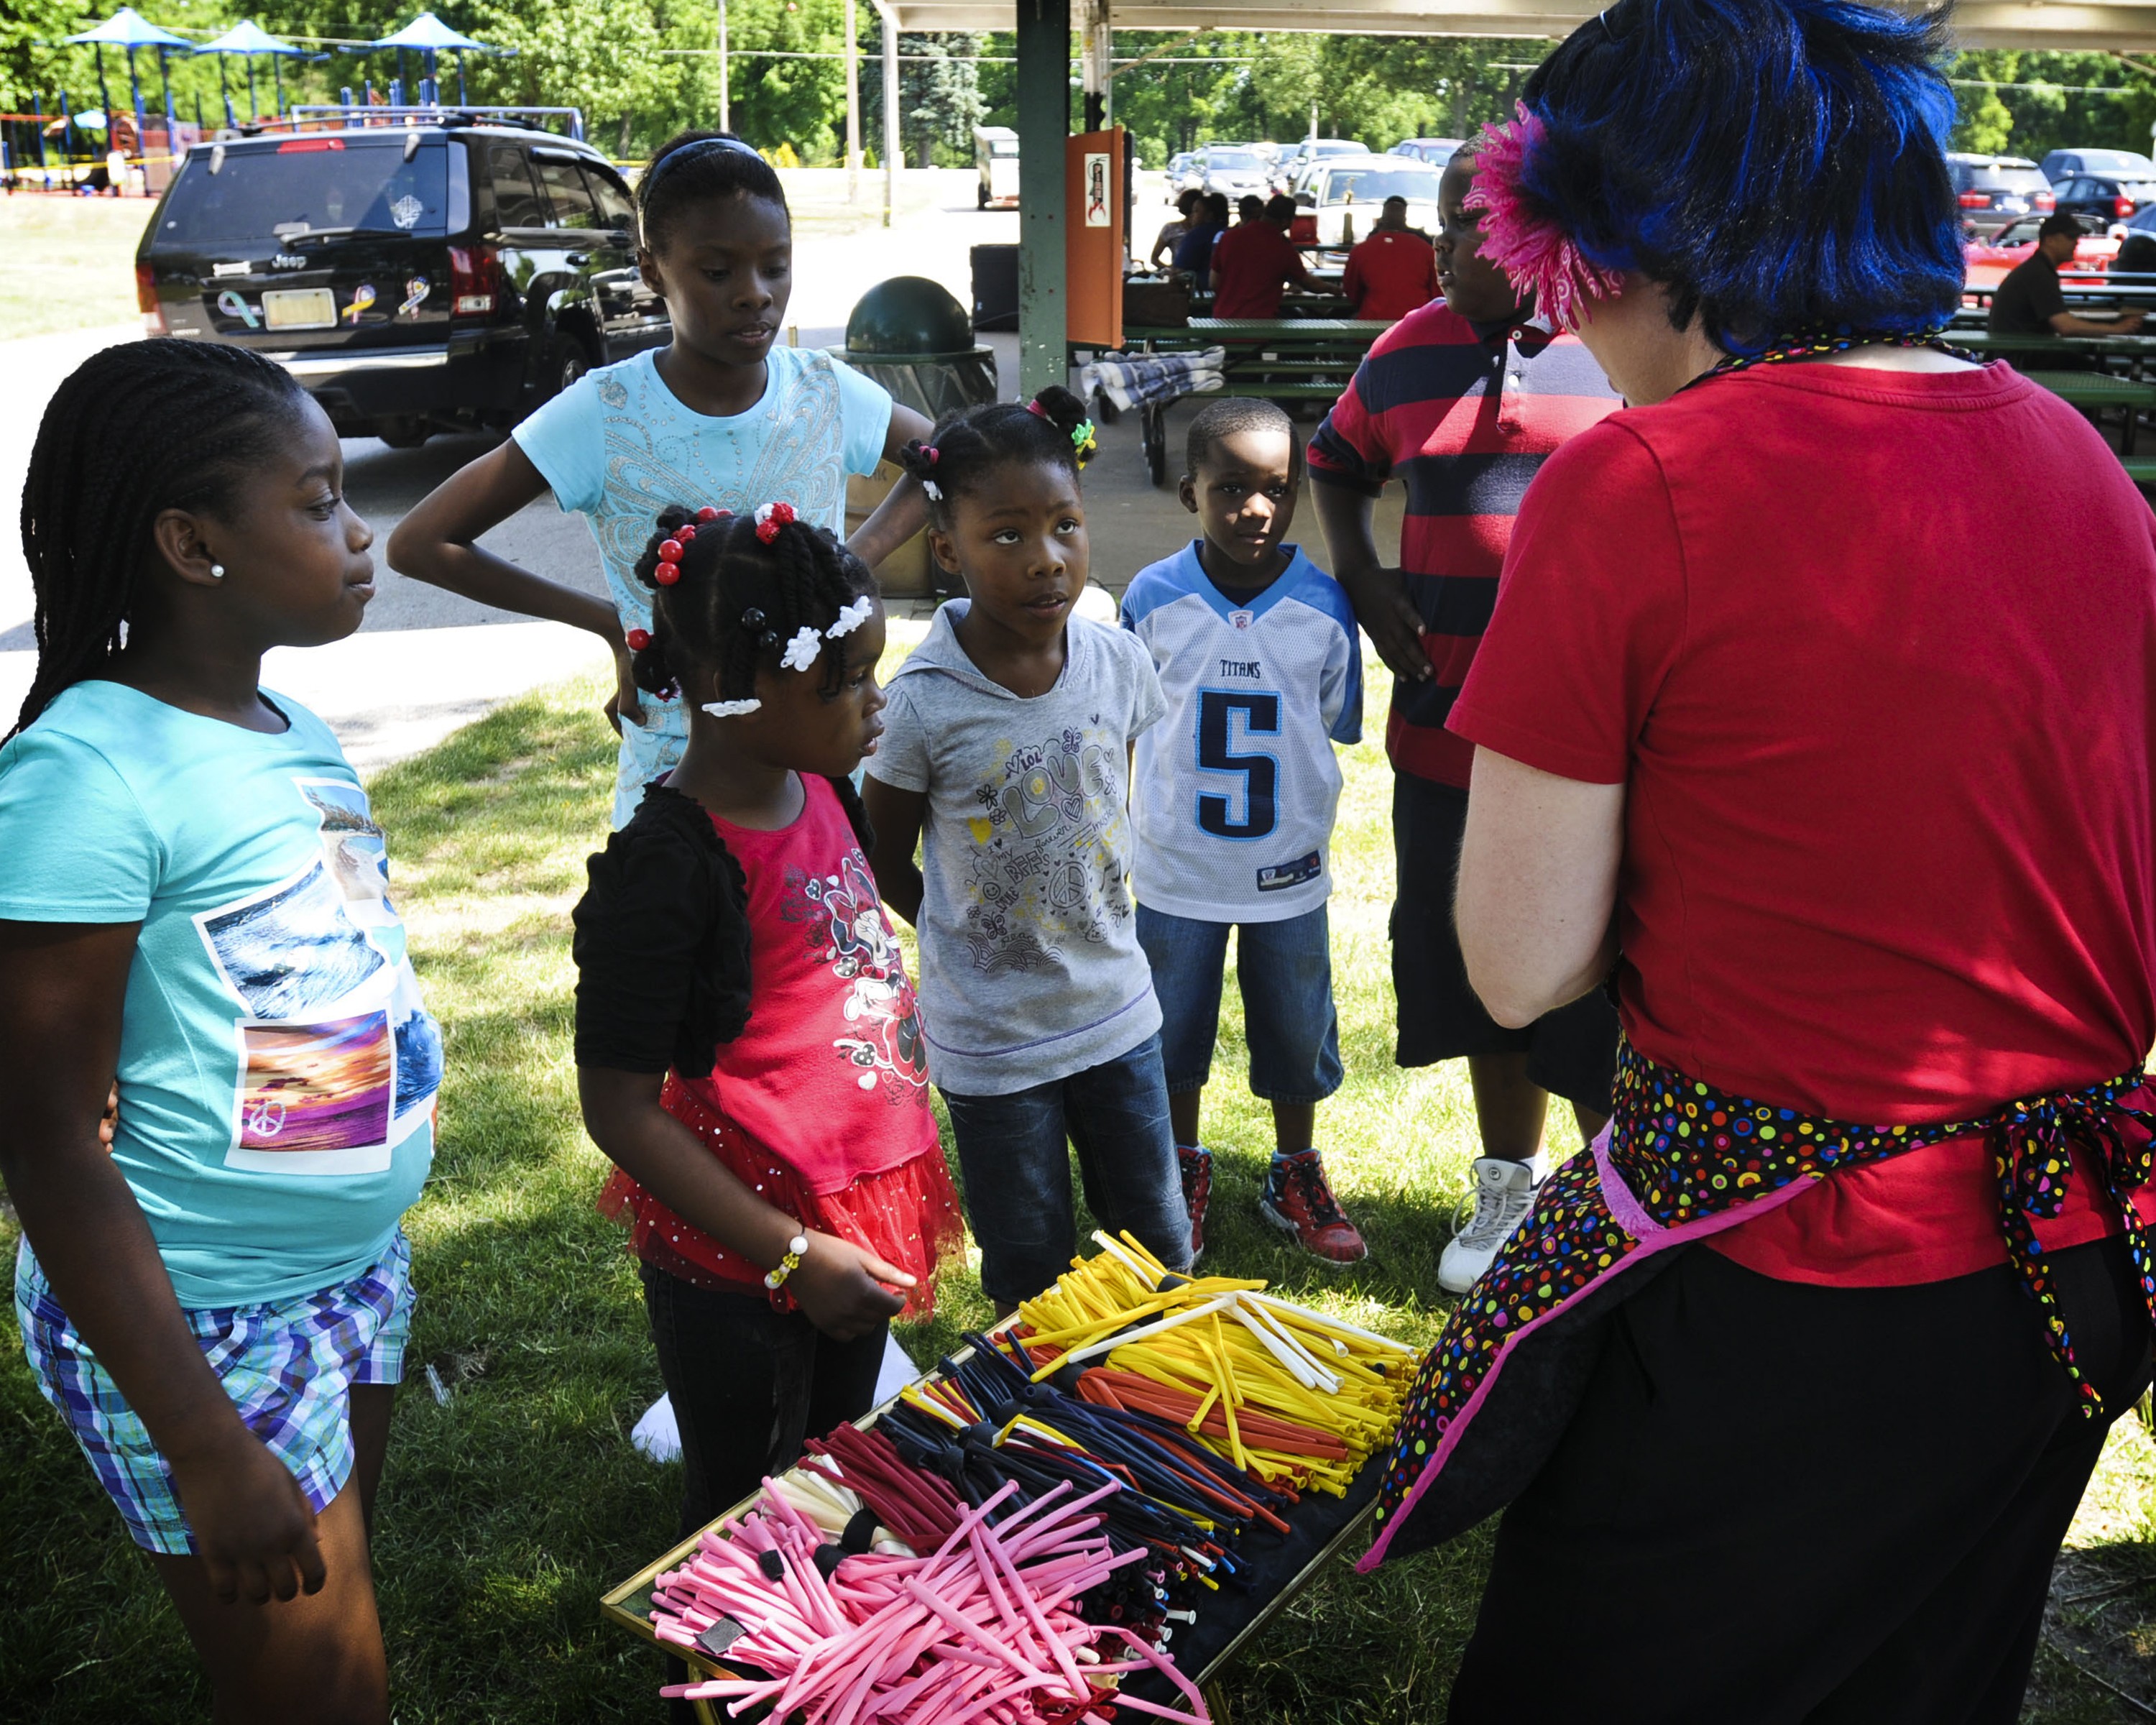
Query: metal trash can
{"points": [[913, 338]]}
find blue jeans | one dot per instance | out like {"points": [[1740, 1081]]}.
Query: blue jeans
{"points": [[1017, 1171], [1284, 971]]}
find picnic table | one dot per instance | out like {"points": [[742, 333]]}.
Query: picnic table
{"points": [[1282, 359], [2114, 376]]}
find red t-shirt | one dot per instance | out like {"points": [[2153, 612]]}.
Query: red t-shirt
{"points": [[1251, 262], [821, 1103], [1888, 847], [1390, 274]]}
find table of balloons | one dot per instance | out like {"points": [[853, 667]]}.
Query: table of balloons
{"points": [[1019, 1538]]}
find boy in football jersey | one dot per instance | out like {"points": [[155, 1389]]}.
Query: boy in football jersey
{"points": [[1235, 791]]}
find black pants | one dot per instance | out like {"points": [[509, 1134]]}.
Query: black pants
{"points": [[748, 1384], [1782, 1503]]}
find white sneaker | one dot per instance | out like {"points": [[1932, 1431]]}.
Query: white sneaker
{"points": [[1504, 1194]]}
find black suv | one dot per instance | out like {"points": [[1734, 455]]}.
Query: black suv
{"points": [[438, 272]]}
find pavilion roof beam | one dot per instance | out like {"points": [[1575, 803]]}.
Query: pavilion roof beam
{"points": [[2115, 26]]}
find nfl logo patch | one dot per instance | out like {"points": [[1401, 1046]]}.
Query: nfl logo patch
{"points": [[1241, 620]]}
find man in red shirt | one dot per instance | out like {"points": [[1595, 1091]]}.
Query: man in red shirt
{"points": [[1393, 272], [1461, 400], [1254, 261]]}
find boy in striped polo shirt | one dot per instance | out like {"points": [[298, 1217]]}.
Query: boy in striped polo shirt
{"points": [[1460, 401]]}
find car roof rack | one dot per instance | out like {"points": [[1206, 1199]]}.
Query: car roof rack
{"points": [[361, 114]]}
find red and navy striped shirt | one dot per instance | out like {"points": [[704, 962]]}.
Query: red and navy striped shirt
{"points": [[1463, 414]]}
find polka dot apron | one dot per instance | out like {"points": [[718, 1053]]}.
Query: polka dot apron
{"points": [[1680, 1161]]}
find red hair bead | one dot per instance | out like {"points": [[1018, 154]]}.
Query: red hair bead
{"points": [[638, 639], [709, 514], [666, 574], [669, 551], [685, 534]]}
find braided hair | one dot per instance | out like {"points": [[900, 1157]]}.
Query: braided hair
{"points": [[968, 446], [692, 166], [740, 598], [134, 431]]}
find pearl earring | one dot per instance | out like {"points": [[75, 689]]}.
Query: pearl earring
{"points": [[217, 571]]}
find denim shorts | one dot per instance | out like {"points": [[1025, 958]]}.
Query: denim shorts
{"points": [[1012, 1154], [288, 1365], [1284, 972]]}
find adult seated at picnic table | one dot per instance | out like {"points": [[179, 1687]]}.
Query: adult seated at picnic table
{"points": [[1255, 261], [1171, 233], [1193, 252], [1393, 271], [2030, 302]]}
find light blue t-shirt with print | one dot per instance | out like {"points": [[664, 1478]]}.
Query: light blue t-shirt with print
{"points": [[277, 1070], [617, 446]]}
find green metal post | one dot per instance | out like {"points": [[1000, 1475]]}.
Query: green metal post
{"points": [[1044, 123]]}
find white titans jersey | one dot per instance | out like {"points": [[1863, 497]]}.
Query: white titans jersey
{"points": [[1236, 787]]}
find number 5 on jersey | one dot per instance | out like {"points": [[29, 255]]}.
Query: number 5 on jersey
{"points": [[1225, 718]]}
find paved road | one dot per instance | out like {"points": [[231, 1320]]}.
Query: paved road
{"points": [[426, 661]]}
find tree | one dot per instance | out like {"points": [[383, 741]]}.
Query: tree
{"points": [[941, 100]]}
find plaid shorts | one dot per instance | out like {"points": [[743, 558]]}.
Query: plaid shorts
{"points": [[287, 1365]]}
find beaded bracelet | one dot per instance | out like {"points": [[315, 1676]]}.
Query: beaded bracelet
{"points": [[796, 1249]]}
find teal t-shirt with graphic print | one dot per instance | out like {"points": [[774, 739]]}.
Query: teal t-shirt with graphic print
{"points": [[617, 446], [277, 1069]]}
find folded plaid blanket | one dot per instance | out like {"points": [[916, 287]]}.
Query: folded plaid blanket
{"points": [[1132, 380]]}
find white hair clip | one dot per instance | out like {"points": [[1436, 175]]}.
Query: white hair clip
{"points": [[801, 652], [851, 618], [732, 709], [932, 491]]}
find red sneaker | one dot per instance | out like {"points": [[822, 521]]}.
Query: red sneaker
{"points": [[1297, 1200], [1197, 1164]]}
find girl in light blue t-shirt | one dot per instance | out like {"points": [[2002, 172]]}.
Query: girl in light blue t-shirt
{"points": [[724, 415], [194, 917]]}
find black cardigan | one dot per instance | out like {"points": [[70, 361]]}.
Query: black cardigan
{"points": [[662, 939]]}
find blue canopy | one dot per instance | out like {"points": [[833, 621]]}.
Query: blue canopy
{"points": [[430, 33], [128, 29], [248, 37]]}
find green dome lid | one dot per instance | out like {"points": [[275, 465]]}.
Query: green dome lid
{"points": [[909, 314]]}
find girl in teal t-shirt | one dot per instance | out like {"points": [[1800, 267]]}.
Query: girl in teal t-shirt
{"points": [[193, 902], [725, 413]]}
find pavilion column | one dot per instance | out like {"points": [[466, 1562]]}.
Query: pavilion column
{"points": [[1098, 67], [1044, 125], [853, 107], [890, 108]]}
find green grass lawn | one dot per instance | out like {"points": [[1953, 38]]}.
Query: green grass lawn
{"points": [[68, 263], [507, 1513]]}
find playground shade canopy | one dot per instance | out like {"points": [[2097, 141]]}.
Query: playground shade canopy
{"points": [[128, 29], [429, 35], [248, 37]]}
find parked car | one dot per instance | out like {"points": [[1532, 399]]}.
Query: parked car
{"points": [[446, 274], [1990, 258], [1233, 170], [2128, 164], [2106, 197], [2143, 221], [995, 157], [1342, 198], [1436, 152], [1292, 171], [1993, 190], [1185, 172]]}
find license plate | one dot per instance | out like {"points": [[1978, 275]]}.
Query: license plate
{"points": [[300, 308]]}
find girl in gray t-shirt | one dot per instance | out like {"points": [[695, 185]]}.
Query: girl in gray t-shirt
{"points": [[1006, 758]]}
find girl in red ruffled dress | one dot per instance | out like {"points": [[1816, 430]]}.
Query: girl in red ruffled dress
{"points": [[748, 1048]]}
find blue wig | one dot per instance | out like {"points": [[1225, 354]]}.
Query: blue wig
{"points": [[1779, 165]]}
